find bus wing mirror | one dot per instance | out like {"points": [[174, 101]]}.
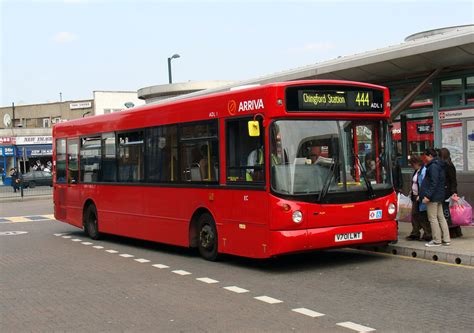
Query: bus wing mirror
{"points": [[254, 128]]}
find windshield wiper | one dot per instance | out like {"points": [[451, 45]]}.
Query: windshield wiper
{"points": [[370, 189], [327, 181]]}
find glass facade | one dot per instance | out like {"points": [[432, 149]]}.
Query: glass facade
{"points": [[441, 115]]}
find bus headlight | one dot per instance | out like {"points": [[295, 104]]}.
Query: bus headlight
{"points": [[392, 208], [297, 216]]}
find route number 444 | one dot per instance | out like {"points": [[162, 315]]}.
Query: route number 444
{"points": [[362, 99]]}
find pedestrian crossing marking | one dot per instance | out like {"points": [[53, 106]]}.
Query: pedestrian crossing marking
{"points": [[32, 218]]}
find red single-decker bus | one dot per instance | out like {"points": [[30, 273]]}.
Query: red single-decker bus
{"points": [[256, 172]]}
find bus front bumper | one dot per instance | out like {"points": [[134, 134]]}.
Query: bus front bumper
{"points": [[290, 241]]}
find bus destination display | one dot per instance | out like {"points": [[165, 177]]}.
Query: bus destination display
{"points": [[344, 99]]}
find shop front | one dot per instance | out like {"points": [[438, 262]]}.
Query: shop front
{"points": [[35, 157], [34, 153], [7, 162]]}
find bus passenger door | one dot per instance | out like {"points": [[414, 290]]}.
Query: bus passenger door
{"points": [[73, 191], [246, 227]]}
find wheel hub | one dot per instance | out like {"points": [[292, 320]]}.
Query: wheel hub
{"points": [[206, 237]]}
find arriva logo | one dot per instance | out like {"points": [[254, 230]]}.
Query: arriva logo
{"points": [[251, 105], [231, 106]]}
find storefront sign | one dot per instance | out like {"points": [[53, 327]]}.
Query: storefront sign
{"points": [[456, 114], [8, 151], [7, 140], [34, 140], [80, 105], [41, 152]]}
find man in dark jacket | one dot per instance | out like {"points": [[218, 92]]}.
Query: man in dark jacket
{"points": [[432, 194]]}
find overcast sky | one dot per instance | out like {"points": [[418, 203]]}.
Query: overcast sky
{"points": [[78, 46]]}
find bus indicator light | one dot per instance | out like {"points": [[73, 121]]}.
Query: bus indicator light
{"points": [[285, 207]]}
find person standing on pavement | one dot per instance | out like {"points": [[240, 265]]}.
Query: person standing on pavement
{"points": [[451, 190], [15, 179], [419, 217], [432, 194]]}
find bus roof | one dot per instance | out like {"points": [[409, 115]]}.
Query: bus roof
{"points": [[204, 107]]}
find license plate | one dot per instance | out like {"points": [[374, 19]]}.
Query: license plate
{"points": [[348, 237], [375, 214]]}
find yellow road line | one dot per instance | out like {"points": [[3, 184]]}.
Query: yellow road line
{"points": [[17, 219]]}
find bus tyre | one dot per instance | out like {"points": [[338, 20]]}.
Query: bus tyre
{"points": [[207, 243], [91, 225]]}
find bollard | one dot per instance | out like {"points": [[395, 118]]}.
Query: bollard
{"points": [[21, 190]]}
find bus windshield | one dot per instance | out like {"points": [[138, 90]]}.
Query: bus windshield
{"points": [[326, 157]]}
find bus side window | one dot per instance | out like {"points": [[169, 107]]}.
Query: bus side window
{"points": [[245, 154], [73, 161], [161, 154], [131, 157], [90, 159], [199, 152], [108, 168], [61, 158]]}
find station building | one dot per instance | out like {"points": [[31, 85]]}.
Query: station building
{"points": [[26, 130], [431, 80]]}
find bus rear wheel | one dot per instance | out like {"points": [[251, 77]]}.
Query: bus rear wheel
{"points": [[207, 242], [91, 224]]}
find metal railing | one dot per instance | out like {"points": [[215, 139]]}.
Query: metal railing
{"points": [[9, 192]]}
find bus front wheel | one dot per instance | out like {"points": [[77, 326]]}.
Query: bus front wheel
{"points": [[207, 243], [91, 225]]}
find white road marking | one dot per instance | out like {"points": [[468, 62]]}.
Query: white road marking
{"points": [[126, 255], [98, 247], [86, 243], [12, 233], [142, 261], [236, 289], [76, 240], [111, 251], [356, 327], [67, 236], [269, 300], [50, 217], [58, 234], [160, 266], [181, 272], [308, 312], [207, 280]]}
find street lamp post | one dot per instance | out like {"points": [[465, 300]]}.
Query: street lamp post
{"points": [[174, 56]]}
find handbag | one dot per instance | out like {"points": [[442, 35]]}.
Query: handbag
{"points": [[461, 212], [404, 208]]}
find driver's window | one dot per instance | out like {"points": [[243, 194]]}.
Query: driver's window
{"points": [[245, 154]]}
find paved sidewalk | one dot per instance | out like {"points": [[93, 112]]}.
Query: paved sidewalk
{"points": [[461, 250]]}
